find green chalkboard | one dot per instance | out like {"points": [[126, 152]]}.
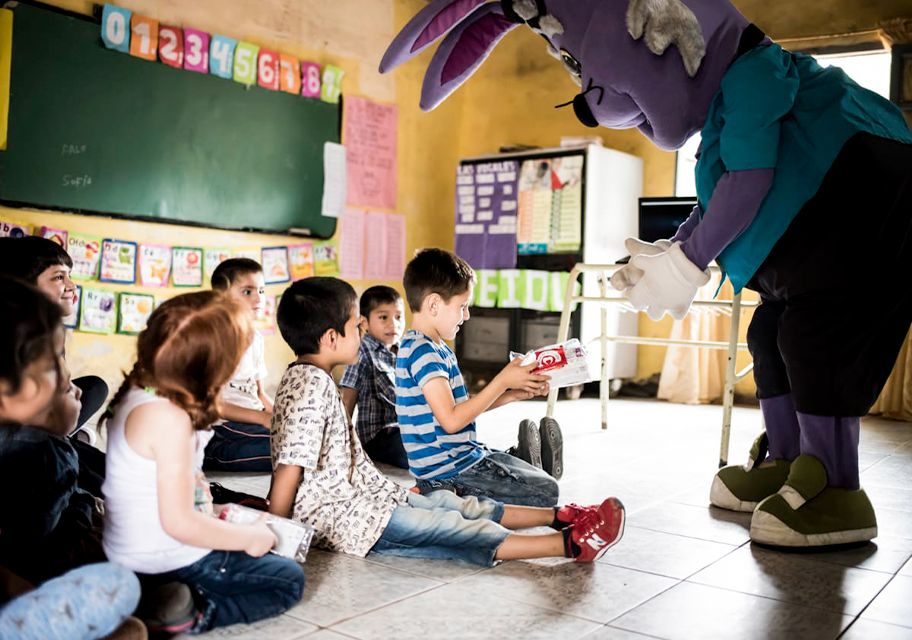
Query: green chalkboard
{"points": [[97, 131]]}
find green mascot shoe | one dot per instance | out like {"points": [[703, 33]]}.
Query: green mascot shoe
{"points": [[741, 488], [808, 513]]}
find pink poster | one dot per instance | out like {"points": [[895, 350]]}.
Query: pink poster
{"points": [[375, 250], [351, 245], [369, 136], [395, 246]]}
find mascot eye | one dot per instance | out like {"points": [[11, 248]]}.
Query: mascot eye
{"points": [[571, 63]]}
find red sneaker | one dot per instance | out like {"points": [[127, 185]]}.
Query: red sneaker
{"points": [[570, 513], [596, 531]]}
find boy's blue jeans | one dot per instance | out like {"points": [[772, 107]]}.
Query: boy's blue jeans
{"points": [[238, 446], [236, 587], [88, 602], [442, 525], [503, 478]]}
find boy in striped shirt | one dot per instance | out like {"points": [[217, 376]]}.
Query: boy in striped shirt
{"points": [[436, 414]]}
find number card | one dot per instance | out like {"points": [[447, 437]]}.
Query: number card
{"points": [[143, 37], [221, 56], [154, 265], [86, 253], [133, 312], [118, 261], [301, 260], [72, 321], [326, 258], [196, 50], [14, 230], [55, 235], [289, 74], [310, 80], [268, 69], [186, 267], [171, 45], [99, 311], [115, 28], [214, 257], [332, 84], [275, 265], [245, 63]]}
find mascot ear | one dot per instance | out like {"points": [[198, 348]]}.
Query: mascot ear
{"points": [[425, 28], [463, 51], [664, 22]]}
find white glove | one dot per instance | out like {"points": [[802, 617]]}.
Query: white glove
{"points": [[628, 275], [669, 283]]}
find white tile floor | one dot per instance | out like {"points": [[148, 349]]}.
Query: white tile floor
{"points": [[683, 569]]}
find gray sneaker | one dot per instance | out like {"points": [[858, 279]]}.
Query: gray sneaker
{"points": [[528, 447], [552, 447]]}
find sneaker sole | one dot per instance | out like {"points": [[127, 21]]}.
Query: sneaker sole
{"points": [[552, 448], [721, 496], [529, 446], [770, 530]]}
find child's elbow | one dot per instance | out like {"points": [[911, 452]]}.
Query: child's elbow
{"points": [[450, 424]]}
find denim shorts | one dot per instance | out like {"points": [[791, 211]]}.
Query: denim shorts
{"points": [[443, 525]]}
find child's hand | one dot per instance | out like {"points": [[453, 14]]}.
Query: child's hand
{"points": [[520, 377], [266, 419], [262, 539], [512, 395]]}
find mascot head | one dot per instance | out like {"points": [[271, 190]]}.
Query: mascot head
{"points": [[617, 52]]}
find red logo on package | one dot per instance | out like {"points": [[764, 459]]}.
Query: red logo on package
{"points": [[550, 359]]}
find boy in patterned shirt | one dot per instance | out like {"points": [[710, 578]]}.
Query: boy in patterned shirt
{"points": [[323, 477], [370, 383]]}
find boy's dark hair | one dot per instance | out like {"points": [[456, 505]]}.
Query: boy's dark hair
{"points": [[436, 271], [311, 307], [26, 258], [228, 271], [375, 296], [28, 322]]}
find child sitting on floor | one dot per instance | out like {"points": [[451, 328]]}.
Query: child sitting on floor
{"points": [[323, 477], [159, 517], [370, 383], [240, 441]]}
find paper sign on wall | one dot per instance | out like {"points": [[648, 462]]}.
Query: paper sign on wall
{"points": [[326, 258], [154, 265], [214, 256], [55, 235], [369, 134], [133, 312], [118, 261], [332, 84], [301, 260], [186, 267], [99, 311], [351, 245], [86, 253], [14, 230], [275, 265]]}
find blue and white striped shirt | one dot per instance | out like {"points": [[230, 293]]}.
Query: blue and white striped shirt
{"points": [[432, 452]]}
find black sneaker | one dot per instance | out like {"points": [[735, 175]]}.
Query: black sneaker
{"points": [[528, 447], [552, 447], [168, 609]]}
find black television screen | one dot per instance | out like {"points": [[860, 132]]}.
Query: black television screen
{"points": [[660, 217]]}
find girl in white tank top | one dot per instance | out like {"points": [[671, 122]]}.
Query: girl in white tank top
{"points": [[159, 517]]}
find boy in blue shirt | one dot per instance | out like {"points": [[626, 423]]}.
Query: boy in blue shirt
{"points": [[436, 414], [370, 383]]}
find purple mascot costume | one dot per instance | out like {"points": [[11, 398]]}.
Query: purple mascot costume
{"points": [[804, 183]]}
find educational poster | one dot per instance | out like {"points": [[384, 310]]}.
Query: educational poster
{"points": [[133, 312], [351, 244], [326, 258], [14, 230], [536, 186], [154, 265], [186, 267], [375, 248], [335, 180], [301, 260], [118, 261], [275, 265], [266, 322], [566, 233], [486, 214], [395, 246], [369, 135], [99, 311], [72, 321], [86, 254], [55, 235], [213, 257]]}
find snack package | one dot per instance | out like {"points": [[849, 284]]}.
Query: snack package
{"points": [[293, 538], [564, 363]]}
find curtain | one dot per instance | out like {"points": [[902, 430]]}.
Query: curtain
{"points": [[895, 400]]}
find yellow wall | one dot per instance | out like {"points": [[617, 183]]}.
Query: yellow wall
{"points": [[351, 34]]}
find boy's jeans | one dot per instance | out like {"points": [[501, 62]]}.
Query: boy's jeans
{"points": [[503, 478], [88, 602], [442, 525], [238, 446], [237, 587]]}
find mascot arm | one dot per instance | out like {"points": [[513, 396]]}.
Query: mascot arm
{"points": [[733, 206], [687, 227]]}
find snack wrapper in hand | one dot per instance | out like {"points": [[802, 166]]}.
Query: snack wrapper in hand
{"points": [[565, 363], [292, 538]]}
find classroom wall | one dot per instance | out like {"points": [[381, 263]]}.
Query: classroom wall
{"points": [[351, 34]]}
